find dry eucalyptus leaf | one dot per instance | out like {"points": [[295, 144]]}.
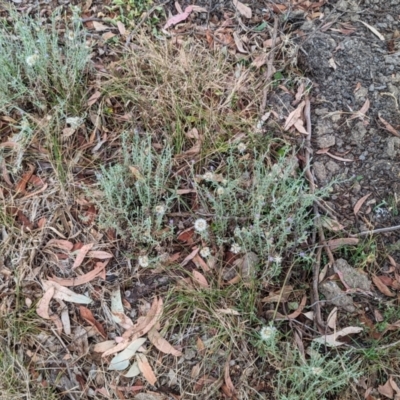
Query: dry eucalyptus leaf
{"points": [[62, 293], [121, 361], [242, 8]]}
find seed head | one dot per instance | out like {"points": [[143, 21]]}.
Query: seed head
{"points": [[205, 252], [200, 225], [235, 248], [143, 261]]}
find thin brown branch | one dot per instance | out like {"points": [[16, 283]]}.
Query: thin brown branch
{"points": [[270, 66]]}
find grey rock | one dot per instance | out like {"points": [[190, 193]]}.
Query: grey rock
{"points": [[336, 296], [326, 141], [393, 147], [355, 278], [333, 167], [320, 171]]}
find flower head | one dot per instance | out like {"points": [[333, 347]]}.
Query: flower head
{"points": [[278, 259], [71, 35], [235, 248], [242, 147], [267, 332], [205, 252], [208, 176], [317, 370], [200, 225], [31, 60], [143, 261], [220, 190], [160, 209]]}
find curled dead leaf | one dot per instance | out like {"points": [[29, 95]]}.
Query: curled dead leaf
{"points": [[161, 344], [146, 369]]}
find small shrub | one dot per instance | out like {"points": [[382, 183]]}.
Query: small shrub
{"points": [[41, 67], [135, 194], [315, 378], [258, 208]]}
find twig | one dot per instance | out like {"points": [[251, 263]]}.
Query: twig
{"points": [[380, 230], [271, 59], [316, 303]]}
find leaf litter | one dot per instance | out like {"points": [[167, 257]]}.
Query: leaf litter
{"points": [[128, 351]]}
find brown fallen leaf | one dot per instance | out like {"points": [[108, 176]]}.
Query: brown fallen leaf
{"points": [[299, 94], [243, 9], [260, 60], [162, 344], [82, 254], [228, 380], [363, 110], [386, 390], [103, 346], [388, 126], [281, 295], [140, 328], [42, 308], [146, 369], [336, 243], [63, 293], [88, 316], [80, 280], [176, 19], [294, 116], [199, 262], [21, 185], [101, 255], [382, 287], [93, 98], [200, 279], [360, 202], [239, 43], [296, 313], [99, 27], [60, 244], [330, 340], [190, 257]]}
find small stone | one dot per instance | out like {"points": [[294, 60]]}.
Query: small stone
{"points": [[355, 278], [326, 141], [333, 167], [320, 171], [336, 296]]}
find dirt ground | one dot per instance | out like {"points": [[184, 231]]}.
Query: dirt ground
{"points": [[348, 52]]}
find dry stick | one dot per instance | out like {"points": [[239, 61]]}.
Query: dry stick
{"points": [[380, 230], [316, 305], [271, 59], [316, 269]]}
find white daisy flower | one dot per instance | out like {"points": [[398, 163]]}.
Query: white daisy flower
{"points": [[242, 147], [317, 370], [205, 252], [235, 248], [208, 176], [143, 261], [200, 225], [71, 35], [160, 209], [31, 60], [220, 191], [267, 332], [278, 259]]}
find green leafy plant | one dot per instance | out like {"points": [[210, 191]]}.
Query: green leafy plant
{"points": [[41, 67], [258, 207], [135, 194], [315, 378]]}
